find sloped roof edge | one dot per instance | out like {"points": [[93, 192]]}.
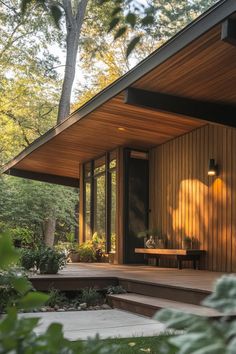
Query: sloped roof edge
{"points": [[216, 14]]}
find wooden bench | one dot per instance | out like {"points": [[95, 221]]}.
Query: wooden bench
{"points": [[179, 254]]}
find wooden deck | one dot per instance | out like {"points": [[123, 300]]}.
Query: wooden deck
{"points": [[171, 277]]}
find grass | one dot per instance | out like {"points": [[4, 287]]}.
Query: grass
{"points": [[139, 345]]}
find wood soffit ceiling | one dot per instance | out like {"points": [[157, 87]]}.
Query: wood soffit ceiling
{"points": [[204, 70]]}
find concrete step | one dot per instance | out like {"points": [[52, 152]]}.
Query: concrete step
{"points": [[148, 306]]}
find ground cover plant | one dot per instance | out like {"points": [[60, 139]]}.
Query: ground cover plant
{"points": [[135, 345]]}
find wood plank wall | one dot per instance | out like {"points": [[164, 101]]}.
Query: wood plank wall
{"points": [[184, 201]]}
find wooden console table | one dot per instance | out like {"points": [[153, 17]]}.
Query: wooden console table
{"points": [[179, 254]]}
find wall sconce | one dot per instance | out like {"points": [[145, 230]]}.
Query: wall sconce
{"points": [[212, 168]]}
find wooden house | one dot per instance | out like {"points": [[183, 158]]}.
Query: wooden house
{"points": [[140, 149]]}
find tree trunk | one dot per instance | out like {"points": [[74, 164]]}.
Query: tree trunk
{"points": [[49, 231], [73, 27]]}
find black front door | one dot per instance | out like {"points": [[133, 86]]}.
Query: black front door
{"points": [[136, 179]]}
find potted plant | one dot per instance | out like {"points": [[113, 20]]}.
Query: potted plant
{"points": [[87, 252], [187, 243], [50, 260], [155, 237], [161, 241], [73, 253], [98, 242]]}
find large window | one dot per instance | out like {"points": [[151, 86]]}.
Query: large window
{"points": [[112, 206], [87, 201], [99, 214], [100, 200]]}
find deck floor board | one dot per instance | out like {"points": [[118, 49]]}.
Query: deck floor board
{"points": [[185, 278]]}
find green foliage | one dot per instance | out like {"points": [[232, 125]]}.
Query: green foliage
{"points": [[53, 8], [187, 239], [91, 296], [46, 259], [12, 286], [32, 300], [8, 254], [17, 335], [23, 235], [159, 18], [200, 335], [16, 291], [87, 252], [98, 241], [28, 258], [223, 297], [141, 345], [36, 202], [117, 289], [55, 298], [50, 260]]}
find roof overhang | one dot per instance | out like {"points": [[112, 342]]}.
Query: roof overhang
{"points": [[196, 66]]}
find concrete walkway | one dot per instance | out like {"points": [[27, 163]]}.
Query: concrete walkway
{"points": [[106, 323]]}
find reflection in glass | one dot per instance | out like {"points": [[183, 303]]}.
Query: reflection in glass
{"points": [[88, 233], [113, 211], [99, 206], [100, 219]]}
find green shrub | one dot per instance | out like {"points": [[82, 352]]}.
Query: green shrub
{"points": [[21, 236], [91, 296], [28, 258], [56, 297], [9, 294], [87, 252], [49, 260]]}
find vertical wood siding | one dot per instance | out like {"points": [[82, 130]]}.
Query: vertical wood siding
{"points": [[184, 201]]}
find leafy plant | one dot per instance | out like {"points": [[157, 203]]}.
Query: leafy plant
{"points": [[91, 296], [87, 252], [98, 241], [201, 335], [9, 294], [21, 236], [28, 258], [117, 289], [55, 298], [187, 239], [17, 335], [50, 260]]}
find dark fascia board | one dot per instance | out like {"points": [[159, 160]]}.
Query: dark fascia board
{"points": [[215, 15], [44, 177], [228, 32], [208, 111]]}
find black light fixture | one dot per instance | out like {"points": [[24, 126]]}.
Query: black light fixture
{"points": [[213, 168]]}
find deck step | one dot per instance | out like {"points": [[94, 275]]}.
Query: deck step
{"points": [[148, 306], [165, 291]]}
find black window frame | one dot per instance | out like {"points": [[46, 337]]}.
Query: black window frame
{"points": [[108, 171]]}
